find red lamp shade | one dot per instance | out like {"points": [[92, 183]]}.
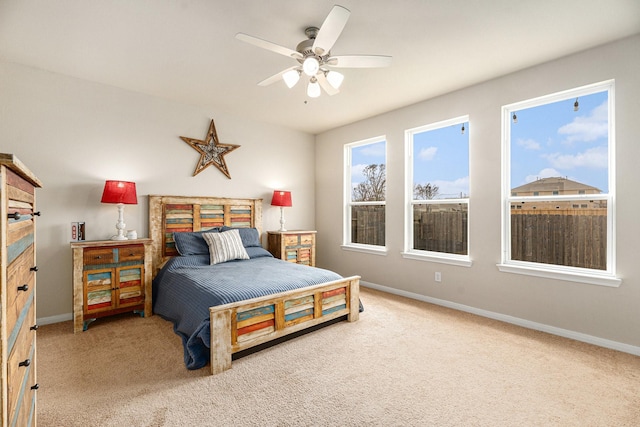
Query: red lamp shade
{"points": [[120, 192], [281, 198]]}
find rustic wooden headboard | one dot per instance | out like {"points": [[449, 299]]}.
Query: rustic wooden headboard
{"points": [[169, 214]]}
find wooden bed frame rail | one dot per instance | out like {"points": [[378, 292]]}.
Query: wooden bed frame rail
{"points": [[245, 324]]}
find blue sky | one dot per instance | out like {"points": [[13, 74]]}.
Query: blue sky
{"points": [[553, 140], [549, 140], [441, 158]]}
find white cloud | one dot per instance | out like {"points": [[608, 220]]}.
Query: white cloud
{"points": [[596, 158], [528, 144], [449, 189], [356, 172], [428, 153], [374, 150], [588, 128]]}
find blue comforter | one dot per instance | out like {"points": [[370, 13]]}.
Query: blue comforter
{"points": [[187, 286]]}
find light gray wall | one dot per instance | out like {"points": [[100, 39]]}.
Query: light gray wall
{"points": [[73, 135], [597, 311]]}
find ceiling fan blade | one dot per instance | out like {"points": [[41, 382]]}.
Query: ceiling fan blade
{"points": [[276, 77], [324, 84], [331, 29], [268, 45], [359, 61]]}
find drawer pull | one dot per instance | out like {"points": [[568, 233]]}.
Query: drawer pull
{"points": [[37, 213], [35, 386], [34, 327], [25, 363], [24, 288], [34, 268], [15, 215]]}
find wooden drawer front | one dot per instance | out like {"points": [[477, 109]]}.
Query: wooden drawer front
{"points": [[98, 256], [131, 253], [19, 274], [26, 414], [306, 239], [291, 240], [23, 352]]}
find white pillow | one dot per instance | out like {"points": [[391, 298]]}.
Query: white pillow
{"points": [[225, 246]]}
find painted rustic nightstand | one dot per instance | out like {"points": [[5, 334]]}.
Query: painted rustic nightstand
{"points": [[294, 246], [110, 277]]}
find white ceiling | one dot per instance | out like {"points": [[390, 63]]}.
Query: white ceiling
{"points": [[185, 50]]}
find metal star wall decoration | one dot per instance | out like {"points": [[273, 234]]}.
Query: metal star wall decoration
{"points": [[211, 151]]}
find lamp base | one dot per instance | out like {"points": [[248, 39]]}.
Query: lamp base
{"points": [[282, 220], [120, 225]]}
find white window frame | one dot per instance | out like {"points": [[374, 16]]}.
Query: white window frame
{"points": [[347, 244], [418, 254], [574, 274]]}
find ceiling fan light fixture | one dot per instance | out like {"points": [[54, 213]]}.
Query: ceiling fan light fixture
{"points": [[313, 90], [335, 79], [310, 66], [291, 77]]}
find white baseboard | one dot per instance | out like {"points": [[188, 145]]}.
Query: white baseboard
{"points": [[54, 319], [614, 345]]}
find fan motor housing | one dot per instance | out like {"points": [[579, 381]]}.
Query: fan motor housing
{"points": [[305, 47]]}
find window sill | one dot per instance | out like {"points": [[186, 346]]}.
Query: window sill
{"points": [[367, 249], [462, 261], [591, 279]]}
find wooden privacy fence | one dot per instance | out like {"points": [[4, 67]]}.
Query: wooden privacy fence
{"points": [[441, 231], [569, 237], [367, 225], [576, 238]]}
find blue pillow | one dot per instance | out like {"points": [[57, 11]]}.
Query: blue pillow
{"points": [[257, 252], [250, 236], [192, 243]]}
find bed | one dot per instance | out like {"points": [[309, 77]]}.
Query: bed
{"points": [[234, 305]]}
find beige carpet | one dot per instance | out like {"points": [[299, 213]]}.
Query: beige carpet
{"points": [[405, 363]]}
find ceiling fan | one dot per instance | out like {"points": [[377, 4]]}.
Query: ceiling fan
{"points": [[314, 56]]}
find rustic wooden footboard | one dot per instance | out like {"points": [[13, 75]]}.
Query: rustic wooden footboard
{"points": [[245, 324]]}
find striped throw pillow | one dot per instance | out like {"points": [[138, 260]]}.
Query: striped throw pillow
{"points": [[225, 246]]}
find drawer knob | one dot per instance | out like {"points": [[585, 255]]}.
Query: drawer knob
{"points": [[25, 363], [34, 327], [34, 268], [15, 215], [24, 288], [35, 386], [37, 213], [98, 256]]}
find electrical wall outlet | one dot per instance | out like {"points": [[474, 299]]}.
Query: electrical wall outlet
{"points": [[438, 277]]}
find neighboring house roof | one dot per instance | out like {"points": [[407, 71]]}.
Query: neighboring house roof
{"points": [[562, 185]]}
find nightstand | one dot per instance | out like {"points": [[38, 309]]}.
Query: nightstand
{"points": [[294, 246], [110, 277]]}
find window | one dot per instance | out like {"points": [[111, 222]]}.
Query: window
{"points": [[437, 191], [558, 154], [365, 193]]}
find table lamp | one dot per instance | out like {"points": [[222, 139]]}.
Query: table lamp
{"points": [[282, 199], [122, 193]]}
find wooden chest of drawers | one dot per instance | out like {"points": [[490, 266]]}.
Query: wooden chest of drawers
{"points": [[293, 246], [110, 277], [18, 290]]}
